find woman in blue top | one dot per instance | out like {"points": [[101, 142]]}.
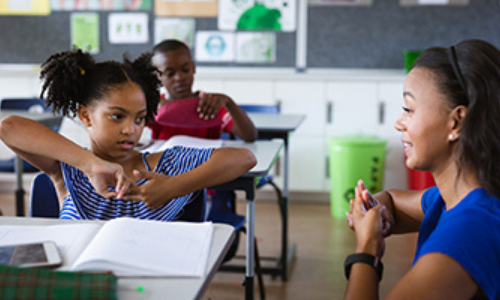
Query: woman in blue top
{"points": [[450, 126], [112, 179]]}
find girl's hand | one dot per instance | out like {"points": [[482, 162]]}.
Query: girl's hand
{"points": [[154, 192], [209, 104], [104, 174]]}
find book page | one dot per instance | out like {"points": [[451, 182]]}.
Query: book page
{"points": [[133, 247], [70, 239]]}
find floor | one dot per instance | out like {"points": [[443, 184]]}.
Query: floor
{"points": [[322, 245]]}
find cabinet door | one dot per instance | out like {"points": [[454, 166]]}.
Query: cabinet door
{"points": [[245, 91], [306, 142], [307, 164], [352, 108], [391, 96], [208, 85], [305, 98]]}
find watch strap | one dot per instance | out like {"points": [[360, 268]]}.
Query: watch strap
{"points": [[363, 258]]}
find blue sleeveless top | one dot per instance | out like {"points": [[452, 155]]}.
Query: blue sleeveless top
{"points": [[83, 202], [469, 233]]}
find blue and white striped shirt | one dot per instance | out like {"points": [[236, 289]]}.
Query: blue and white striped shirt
{"points": [[83, 202]]}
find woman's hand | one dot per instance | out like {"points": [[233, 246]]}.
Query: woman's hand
{"points": [[210, 103], [368, 202], [368, 219], [103, 174], [154, 192]]}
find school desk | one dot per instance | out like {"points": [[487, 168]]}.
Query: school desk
{"points": [[159, 287], [266, 153], [279, 126], [49, 120]]}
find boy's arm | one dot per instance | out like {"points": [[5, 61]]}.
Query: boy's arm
{"points": [[224, 165], [45, 148], [243, 127]]}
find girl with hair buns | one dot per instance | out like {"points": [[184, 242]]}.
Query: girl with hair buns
{"points": [[450, 127], [111, 179]]}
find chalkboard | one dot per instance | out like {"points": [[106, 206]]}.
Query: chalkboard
{"points": [[338, 36], [375, 36]]}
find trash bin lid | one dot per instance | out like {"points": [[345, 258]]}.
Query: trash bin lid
{"points": [[357, 140]]}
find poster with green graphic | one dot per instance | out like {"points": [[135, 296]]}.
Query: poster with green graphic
{"points": [[252, 15], [85, 31]]}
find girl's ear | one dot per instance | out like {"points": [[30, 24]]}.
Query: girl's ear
{"points": [[84, 115], [457, 116]]}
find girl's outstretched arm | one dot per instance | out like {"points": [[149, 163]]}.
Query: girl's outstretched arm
{"points": [[45, 148], [224, 165]]}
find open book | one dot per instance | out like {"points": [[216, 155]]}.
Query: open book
{"points": [[125, 246], [181, 140]]}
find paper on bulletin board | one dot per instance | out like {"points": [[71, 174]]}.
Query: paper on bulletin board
{"points": [[278, 15], [256, 47], [24, 7], [186, 8], [128, 28], [133, 5], [341, 2], [181, 29], [433, 2], [85, 31], [215, 46]]}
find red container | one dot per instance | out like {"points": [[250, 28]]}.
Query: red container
{"points": [[419, 180]]}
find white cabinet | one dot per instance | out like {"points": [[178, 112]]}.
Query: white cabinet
{"points": [[306, 151], [352, 107], [391, 95], [250, 91]]}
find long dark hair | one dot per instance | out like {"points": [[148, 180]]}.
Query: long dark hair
{"points": [[73, 78], [478, 64]]}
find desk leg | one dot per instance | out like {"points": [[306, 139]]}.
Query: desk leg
{"points": [[287, 255], [249, 273], [18, 166]]}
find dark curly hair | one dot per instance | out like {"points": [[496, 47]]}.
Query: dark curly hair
{"points": [[73, 78], [478, 67], [170, 45]]}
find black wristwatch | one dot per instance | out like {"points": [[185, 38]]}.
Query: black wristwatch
{"points": [[363, 258]]}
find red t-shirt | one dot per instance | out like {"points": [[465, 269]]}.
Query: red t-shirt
{"points": [[180, 117]]}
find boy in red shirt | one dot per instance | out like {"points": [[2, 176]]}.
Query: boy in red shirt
{"points": [[216, 113]]}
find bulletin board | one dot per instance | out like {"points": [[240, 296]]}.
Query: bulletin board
{"points": [[372, 36]]}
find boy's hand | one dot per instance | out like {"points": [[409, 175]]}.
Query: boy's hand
{"points": [[210, 103], [154, 193]]}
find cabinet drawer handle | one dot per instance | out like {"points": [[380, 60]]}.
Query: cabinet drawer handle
{"points": [[329, 112], [381, 112]]}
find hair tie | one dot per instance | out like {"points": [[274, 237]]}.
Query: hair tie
{"points": [[82, 71]]}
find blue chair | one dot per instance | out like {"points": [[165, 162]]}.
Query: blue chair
{"points": [[26, 104], [44, 202]]}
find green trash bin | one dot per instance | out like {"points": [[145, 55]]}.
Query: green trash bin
{"points": [[353, 158]]}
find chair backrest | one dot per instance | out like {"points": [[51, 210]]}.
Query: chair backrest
{"points": [[29, 104], [44, 202], [194, 211], [182, 118], [32, 105], [258, 108]]}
